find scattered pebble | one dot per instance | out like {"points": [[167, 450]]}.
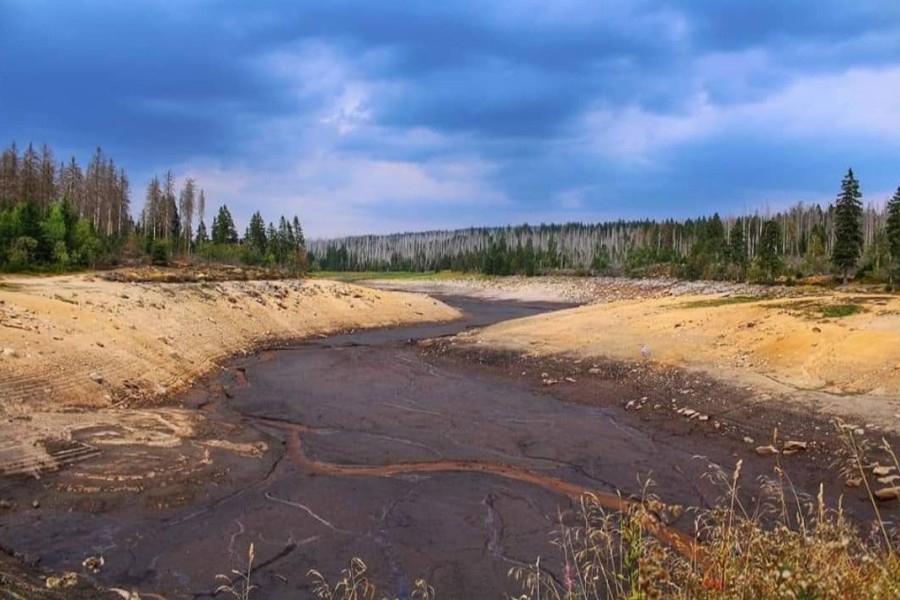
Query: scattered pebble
{"points": [[888, 493], [93, 563], [766, 450]]}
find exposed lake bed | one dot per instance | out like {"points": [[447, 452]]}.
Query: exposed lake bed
{"points": [[423, 458]]}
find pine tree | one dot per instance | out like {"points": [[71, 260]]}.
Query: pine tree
{"points": [[893, 233], [737, 250], [223, 230], [768, 256], [848, 234], [256, 237]]}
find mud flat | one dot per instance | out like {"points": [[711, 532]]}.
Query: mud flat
{"points": [[441, 459]]}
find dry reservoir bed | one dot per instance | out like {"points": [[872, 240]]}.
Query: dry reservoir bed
{"points": [[444, 460]]}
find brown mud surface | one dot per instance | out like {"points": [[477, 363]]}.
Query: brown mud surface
{"points": [[424, 459]]}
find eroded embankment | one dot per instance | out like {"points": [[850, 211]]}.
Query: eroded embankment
{"points": [[80, 342], [838, 343]]}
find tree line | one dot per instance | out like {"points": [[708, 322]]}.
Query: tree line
{"points": [[58, 216], [805, 239]]}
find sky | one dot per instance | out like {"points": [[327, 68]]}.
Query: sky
{"points": [[378, 116]]}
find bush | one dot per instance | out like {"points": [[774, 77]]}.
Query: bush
{"points": [[160, 252]]}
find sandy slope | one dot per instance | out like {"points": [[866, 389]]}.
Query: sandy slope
{"points": [[77, 352], [787, 340], [56, 332]]}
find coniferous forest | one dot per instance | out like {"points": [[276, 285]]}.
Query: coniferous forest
{"points": [[58, 216], [842, 238]]}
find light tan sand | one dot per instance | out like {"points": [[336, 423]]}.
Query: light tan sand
{"points": [[783, 344]]}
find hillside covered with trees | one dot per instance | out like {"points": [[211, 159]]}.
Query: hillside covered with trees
{"points": [[806, 239], [57, 216]]}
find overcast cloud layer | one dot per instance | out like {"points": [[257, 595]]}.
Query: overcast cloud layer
{"points": [[382, 116]]}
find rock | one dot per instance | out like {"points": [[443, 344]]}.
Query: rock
{"points": [[859, 431], [888, 480], [96, 377], [766, 450], [689, 412], [594, 371], [888, 493], [853, 482], [10, 353], [66, 581], [880, 471], [93, 563], [570, 379], [703, 417], [35, 504], [793, 446], [630, 404], [748, 439], [5, 504]]}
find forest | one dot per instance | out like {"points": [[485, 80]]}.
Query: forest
{"points": [[804, 240], [56, 216]]}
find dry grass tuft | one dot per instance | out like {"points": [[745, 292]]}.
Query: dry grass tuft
{"points": [[353, 584]]}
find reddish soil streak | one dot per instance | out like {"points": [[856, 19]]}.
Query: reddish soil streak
{"points": [[680, 541]]}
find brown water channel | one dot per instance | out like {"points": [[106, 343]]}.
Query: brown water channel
{"points": [[421, 468]]}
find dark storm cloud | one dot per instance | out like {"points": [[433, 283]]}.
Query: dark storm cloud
{"points": [[601, 108]]}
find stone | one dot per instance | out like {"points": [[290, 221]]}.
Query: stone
{"points": [[93, 564], [570, 379], [888, 493], [853, 482], [792, 446], [766, 450], [887, 480], [880, 471], [748, 439], [10, 352], [96, 377], [66, 581]]}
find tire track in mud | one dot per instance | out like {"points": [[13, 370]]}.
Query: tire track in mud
{"points": [[294, 452]]}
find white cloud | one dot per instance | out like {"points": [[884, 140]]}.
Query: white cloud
{"points": [[858, 103], [340, 195]]}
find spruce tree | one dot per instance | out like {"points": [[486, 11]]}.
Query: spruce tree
{"points": [[848, 234], [893, 233], [768, 256], [737, 249]]}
